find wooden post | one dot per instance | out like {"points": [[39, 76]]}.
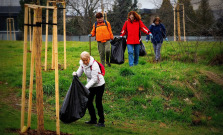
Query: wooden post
{"points": [[53, 48], [184, 25], [106, 16], [64, 30], [90, 37], [7, 28], [30, 31], [178, 22], [102, 7], [14, 28], [174, 21], [10, 28], [46, 40], [24, 66], [31, 84], [56, 70], [39, 89]]}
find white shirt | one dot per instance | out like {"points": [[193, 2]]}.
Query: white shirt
{"points": [[92, 71]]}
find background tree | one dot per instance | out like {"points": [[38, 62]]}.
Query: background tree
{"points": [[85, 11], [165, 13], [119, 13], [205, 18]]}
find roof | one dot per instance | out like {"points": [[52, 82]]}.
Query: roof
{"points": [[147, 11], [9, 9]]}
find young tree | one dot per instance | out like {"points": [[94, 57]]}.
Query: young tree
{"points": [[205, 17], [190, 17], [21, 14], [166, 15], [43, 3]]}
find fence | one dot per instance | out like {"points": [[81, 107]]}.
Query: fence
{"points": [[19, 36]]}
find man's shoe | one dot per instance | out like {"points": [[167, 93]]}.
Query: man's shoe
{"points": [[91, 122], [100, 125]]}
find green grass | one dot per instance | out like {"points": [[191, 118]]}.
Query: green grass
{"points": [[137, 100]]}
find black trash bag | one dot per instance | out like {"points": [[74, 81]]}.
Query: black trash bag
{"points": [[118, 46], [142, 50], [75, 103]]}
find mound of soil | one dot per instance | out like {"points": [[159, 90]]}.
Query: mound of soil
{"points": [[34, 132]]}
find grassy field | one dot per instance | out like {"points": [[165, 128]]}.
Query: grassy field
{"points": [[183, 94]]}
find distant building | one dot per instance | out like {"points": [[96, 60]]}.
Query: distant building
{"points": [[151, 12], [9, 9]]}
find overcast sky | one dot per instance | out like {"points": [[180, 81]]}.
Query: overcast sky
{"points": [[151, 4]]}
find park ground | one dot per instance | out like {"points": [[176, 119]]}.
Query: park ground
{"points": [[182, 94]]}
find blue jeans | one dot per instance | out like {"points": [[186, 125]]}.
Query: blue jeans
{"points": [[134, 59], [157, 48]]}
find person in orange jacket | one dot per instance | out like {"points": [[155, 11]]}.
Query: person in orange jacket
{"points": [[103, 32]]}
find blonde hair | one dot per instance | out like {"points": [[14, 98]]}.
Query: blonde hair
{"points": [[85, 54]]}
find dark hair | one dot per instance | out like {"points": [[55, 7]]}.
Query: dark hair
{"points": [[99, 15], [136, 15], [157, 18]]}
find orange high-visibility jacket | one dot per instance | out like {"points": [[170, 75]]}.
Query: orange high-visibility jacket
{"points": [[103, 32]]}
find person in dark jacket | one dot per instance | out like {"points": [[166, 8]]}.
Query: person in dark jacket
{"points": [[159, 32], [132, 29]]}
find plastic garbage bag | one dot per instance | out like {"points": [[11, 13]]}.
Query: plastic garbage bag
{"points": [[142, 50], [118, 46], [75, 103]]}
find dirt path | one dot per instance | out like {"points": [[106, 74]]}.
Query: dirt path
{"points": [[214, 77]]}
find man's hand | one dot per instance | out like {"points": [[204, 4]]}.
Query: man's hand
{"points": [[89, 35]]}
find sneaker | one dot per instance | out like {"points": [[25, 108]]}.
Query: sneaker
{"points": [[100, 125], [90, 122]]}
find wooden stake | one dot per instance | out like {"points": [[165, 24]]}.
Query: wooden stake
{"points": [[56, 70], [53, 49], [13, 28], [102, 7], [46, 40], [31, 84], [64, 30], [30, 31], [174, 21], [39, 89], [10, 29], [184, 25], [106, 16], [178, 22], [7, 28], [90, 37], [24, 67]]}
